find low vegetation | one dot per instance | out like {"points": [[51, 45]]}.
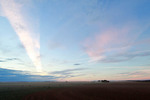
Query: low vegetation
{"points": [[75, 91]]}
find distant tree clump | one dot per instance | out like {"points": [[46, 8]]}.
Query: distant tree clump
{"points": [[99, 81], [104, 81]]}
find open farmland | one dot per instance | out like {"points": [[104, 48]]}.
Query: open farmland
{"points": [[17, 90], [75, 91]]}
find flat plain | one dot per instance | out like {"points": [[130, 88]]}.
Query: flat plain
{"points": [[74, 91]]}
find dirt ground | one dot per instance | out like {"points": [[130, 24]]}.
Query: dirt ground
{"points": [[102, 91]]}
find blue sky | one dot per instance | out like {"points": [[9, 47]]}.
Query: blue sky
{"points": [[74, 40]]}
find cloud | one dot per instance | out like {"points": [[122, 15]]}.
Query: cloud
{"points": [[77, 64], [9, 59], [111, 41], [12, 10], [118, 29], [139, 74], [2, 61], [133, 73], [1, 13], [68, 72], [7, 75], [124, 57]]}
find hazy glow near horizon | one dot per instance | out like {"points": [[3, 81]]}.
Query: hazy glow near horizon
{"points": [[74, 40]]}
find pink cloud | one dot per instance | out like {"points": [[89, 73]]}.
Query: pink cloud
{"points": [[110, 41], [137, 75]]}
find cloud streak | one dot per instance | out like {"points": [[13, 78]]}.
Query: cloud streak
{"points": [[8, 75], [9, 59], [124, 57], [68, 72], [14, 13], [139, 74], [110, 41], [77, 64]]}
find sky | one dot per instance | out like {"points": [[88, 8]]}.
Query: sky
{"points": [[74, 40]]}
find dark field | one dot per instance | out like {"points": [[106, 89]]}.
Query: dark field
{"points": [[75, 91]]}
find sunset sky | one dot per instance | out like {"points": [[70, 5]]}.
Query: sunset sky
{"points": [[74, 40]]}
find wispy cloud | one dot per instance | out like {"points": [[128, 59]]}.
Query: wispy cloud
{"points": [[139, 74], [2, 61], [118, 30], [68, 72], [16, 75], [124, 56], [12, 9], [9, 59], [77, 64], [111, 41]]}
